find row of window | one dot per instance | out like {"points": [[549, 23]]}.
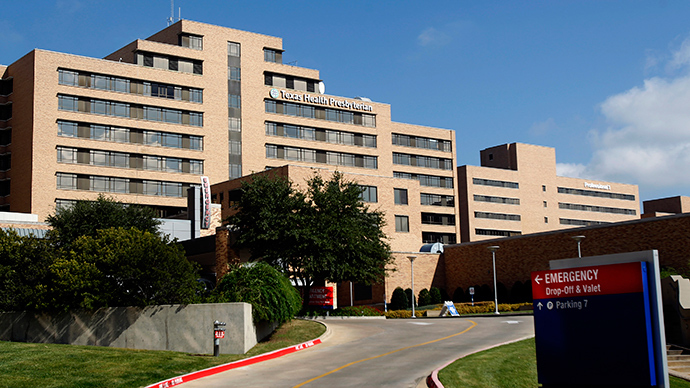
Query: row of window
{"points": [[422, 161], [599, 209], [438, 219], [568, 221], [488, 198], [370, 194], [121, 185], [422, 142], [319, 156], [443, 238], [495, 183], [290, 82], [318, 134], [426, 180], [129, 135], [592, 193], [497, 216], [234, 111], [315, 112], [499, 233], [169, 62], [134, 111], [125, 85], [126, 160]]}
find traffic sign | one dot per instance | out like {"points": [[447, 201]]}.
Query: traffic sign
{"points": [[219, 334], [586, 318]]}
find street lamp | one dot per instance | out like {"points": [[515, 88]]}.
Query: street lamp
{"points": [[493, 250], [412, 281], [578, 239]]}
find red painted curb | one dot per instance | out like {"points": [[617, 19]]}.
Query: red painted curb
{"points": [[175, 381]]}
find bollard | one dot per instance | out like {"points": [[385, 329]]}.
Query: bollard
{"points": [[218, 333]]}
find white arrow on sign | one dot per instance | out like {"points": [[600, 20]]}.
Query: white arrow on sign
{"points": [[540, 305], [537, 279]]}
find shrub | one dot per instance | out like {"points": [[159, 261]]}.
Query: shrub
{"points": [[399, 300], [408, 293], [357, 311], [435, 295], [272, 296], [459, 295], [395, 314], [424, 297]]}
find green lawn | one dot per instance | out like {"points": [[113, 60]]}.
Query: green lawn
{"points": [[509, 366], [48, 365]]}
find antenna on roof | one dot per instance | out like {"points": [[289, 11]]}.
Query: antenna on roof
{"points": [[172, 12]]}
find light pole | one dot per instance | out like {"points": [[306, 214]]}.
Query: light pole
{"points": [[578, 239], [493, 250], [412, 281]]}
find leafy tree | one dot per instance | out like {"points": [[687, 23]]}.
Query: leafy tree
{"points": [[399, 300], [424, 297], [272, 296], [24, 263], [325, 234], [435, 295], [85, 218], [408, 293], [122, 267]]}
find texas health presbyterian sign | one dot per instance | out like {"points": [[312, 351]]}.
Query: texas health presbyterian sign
{"points": [[594, 326]]}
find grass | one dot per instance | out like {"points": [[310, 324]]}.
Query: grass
{"points": [[509, 366], [52, 366]]}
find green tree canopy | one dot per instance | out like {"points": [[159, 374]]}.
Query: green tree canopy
{"points": [[122, 267], [85, 218], [323, 234], [24, 263], [272, 296]]}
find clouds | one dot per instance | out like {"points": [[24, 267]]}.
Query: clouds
{"points": [[433, 37], [646, 140]]}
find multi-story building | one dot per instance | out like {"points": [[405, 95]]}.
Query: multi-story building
{"points": [[146, 122], [516, 191]]}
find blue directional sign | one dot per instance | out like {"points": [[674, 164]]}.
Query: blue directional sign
{"points": [[593, 326]]}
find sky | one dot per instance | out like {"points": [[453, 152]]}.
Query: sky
{"points": [[605, 83]]}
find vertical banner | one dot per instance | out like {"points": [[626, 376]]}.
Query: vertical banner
{"points": [[593, 326], [205, 203]]}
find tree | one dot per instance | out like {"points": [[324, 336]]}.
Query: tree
{"points": [[122, 267], [325, 234], [435, 295], [24, 263], [85, 218], [424, 297], [399, 300], [272, 296]]}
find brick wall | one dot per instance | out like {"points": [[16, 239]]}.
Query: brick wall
{"points": [[470, 264]]}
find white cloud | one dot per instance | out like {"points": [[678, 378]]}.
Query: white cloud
{"points": [[647, 141], [543, 127], [432, 37]]}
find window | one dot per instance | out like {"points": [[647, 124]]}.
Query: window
{"points": [[233, 49], [308, 111], [400, 196], [495, 183], [68, 103], [192, 41], [567, 221], [545, 204], [498, 233], [488, 198], [543, 188], [592, 193], [438, 219], [444, 238], [599, 209], [271, 55], [546, 220], [402, 224], [426, 180], [421, 142], [497, 216], [369, 194], [437, 200], [234, 73]]}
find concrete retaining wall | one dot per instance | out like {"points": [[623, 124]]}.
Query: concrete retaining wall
{"points": [[182, 328]]}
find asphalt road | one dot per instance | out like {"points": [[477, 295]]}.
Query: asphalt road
{"points": [[376, 353]]}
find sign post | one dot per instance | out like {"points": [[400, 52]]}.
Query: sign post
{"points": [[602, 318], [471, 289]]}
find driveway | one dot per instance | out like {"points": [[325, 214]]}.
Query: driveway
{"points": [[377, 353]]}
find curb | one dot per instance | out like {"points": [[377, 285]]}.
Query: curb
{"points": [[175, 381], [433, 382]]}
